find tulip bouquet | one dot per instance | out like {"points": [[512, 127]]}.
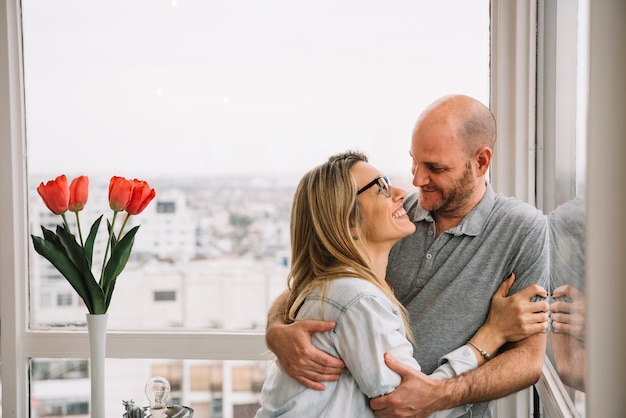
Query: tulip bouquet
{"points": [[72, 257]]}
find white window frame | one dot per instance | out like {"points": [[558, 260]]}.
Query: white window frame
{"points": [[513, 86], [524, 155], [605, 223], [512, 96]]}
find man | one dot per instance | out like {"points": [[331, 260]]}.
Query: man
{"points": [[467, 241]]}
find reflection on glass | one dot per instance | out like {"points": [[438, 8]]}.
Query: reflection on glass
{"points": [[60, 387], [567, 290]]}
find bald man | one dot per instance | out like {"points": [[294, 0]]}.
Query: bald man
{"points": [[468, 240]]}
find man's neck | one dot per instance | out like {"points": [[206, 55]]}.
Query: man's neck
{"points": [[449, 219]]}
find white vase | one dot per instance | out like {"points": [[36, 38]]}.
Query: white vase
{"points": [[97, 327]]}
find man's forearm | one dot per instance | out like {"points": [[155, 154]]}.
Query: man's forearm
{"points": [[511, 371], [275, 315]]}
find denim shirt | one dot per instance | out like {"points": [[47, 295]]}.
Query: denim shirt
{"points": [[368, 325]]}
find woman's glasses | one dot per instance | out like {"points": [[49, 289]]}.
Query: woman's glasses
{"points": [[383, 184]]}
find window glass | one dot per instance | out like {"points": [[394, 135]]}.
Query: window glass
{"points": [[564, 171], [221, 107], [60, 387]]}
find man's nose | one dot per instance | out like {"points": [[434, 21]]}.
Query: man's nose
{"points": [[420, 176]]}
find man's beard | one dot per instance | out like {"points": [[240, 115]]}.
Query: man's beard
{"points": [[455, 197]]}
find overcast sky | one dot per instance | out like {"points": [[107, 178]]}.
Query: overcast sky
{"points": [[149, 88]]}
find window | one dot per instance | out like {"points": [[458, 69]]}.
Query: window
{"points": [[166, 207], [221, 109], [164, 296], [64, 299], [562, 137]]}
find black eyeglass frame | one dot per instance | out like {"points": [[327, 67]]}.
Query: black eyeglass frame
{"points": [[386, 191]]}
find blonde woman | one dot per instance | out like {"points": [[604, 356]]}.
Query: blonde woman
{"points": [[345, 218]]}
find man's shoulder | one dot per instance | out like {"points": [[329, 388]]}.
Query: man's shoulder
{"points": [[513, 209]]}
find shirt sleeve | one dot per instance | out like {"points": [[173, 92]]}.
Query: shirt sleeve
{"points": [[531, 265], [456, 362], [368, 328]]}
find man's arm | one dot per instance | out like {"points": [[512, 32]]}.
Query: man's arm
{"points": [[291, 343], [420, 396], [520, 321]]}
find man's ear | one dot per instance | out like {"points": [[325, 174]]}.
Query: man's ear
{"points": [[483, 159]]}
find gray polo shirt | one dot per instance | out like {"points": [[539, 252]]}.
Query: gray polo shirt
{"points": [[447, 283]]}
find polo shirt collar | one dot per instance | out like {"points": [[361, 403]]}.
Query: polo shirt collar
{"points": [[473, 222]]}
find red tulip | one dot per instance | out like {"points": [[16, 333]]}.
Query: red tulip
{"points": [[120, 190], [55, 194], [142, 195], [79, 191]]}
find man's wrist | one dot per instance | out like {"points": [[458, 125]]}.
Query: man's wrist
{"points": [[447, 394], [488, 340]]}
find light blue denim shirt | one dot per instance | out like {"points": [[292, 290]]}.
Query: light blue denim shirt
{"points": [[368, 325]]}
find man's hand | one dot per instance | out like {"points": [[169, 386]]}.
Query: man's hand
{"points": [[569, 317], [516, 317], [300, 359], [412, 398]]}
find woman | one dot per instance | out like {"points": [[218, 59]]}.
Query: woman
{"points": [[345, 218]]}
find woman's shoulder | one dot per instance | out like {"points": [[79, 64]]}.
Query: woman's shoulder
{"points": [[356, 285], [347, 291]]}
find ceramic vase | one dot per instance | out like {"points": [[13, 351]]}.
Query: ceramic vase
{"points": [[97, 328]]}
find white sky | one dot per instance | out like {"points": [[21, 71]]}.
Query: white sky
{"points": [[143, 88]]}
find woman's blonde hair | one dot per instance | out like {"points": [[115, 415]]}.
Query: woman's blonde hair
{"points": [[326, 222]]}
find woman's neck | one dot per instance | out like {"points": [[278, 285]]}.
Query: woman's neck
{"points": [[379, 261]]}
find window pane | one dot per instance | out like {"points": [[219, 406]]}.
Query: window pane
{"points": [[565, 69], [60, 387], [222, 107]]}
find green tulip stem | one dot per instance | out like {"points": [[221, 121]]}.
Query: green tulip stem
{"points": [[80, 232], [106, 252], [123, 225], [67, 227]]}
